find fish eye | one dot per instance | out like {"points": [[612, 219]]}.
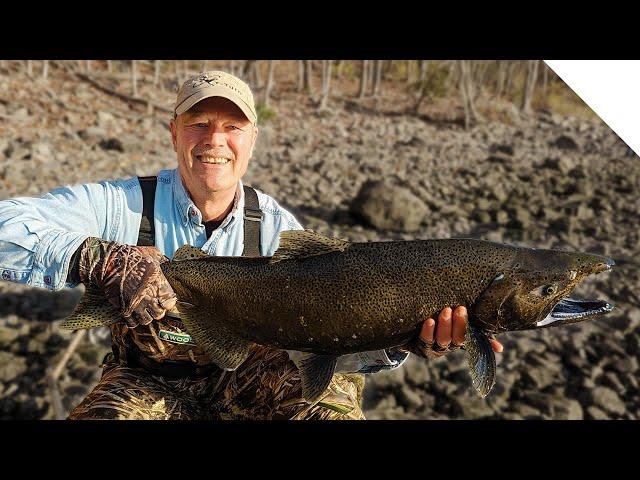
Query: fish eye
{"points": [[545, 290]]}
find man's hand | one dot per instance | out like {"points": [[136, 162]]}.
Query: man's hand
{"points": [[130, 277], [447, 335]]}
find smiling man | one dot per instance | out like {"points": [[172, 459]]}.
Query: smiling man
{"points": [[112, 236]]}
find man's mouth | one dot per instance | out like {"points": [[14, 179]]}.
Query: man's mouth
{"points": [[212, 160]]}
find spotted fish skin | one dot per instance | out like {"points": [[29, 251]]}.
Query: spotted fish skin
{"points": [[370, 296], [331, 297]]}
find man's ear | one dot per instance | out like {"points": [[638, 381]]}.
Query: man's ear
{"points": [[172, 127]]}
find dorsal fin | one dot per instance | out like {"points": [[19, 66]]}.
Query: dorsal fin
{"points": [[295, 244], [187, 252]]}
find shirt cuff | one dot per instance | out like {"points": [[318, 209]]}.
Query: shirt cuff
{"points": [[51, 259]]}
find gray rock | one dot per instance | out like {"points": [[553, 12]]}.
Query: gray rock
{"points": [[11, 366], [540, 377], [594, 413], [409, 398], [7, 336], [608, 400], [417, 371], [567, 409], [386, 206], [566, 142]]}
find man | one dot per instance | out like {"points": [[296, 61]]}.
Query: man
{"points": [[88, 234]]}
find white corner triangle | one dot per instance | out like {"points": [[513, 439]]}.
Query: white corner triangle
{"points": [[611, 88]]}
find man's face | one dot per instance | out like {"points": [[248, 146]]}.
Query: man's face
{"points": [[214, 141]]}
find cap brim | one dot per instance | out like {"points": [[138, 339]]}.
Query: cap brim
{"points": [[216, 91]]}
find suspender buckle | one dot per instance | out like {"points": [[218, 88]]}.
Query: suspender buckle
{"points": [[253, 215]]}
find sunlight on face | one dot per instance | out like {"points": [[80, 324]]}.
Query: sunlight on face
{"points": [[214, 141]]}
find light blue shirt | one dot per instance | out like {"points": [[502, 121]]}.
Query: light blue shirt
{"points": [[38, 236]]}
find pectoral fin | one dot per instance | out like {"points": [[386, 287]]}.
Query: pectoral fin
{"points": [[94, 310], [482, 361], [225, 348], [316, 372]]}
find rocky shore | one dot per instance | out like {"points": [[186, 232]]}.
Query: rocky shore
{"points": [[542, 181]]}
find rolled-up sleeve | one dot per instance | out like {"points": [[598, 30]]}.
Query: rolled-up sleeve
{"points": [[38, 236]]}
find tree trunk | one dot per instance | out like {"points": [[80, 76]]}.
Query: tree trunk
{"points": [[468, 95], [363, 79], [529, 87], [545, 81], [307, 77], [232, 67], [156, 72], [326, 83], [109, 66], [377, 75], [510, 67], [423, 69], [134, 77], [409, 71], [205, 64], [267, 90], [339, 68], [88, 65], [501, 78], [45, 70], [185, 70]]}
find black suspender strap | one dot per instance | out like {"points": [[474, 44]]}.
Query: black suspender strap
{"points": [[147, 233], [252, 220], [252, 217]]}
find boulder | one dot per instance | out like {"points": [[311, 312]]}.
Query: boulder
{"points": [[387, 206]]}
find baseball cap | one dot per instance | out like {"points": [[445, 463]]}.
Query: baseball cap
{"points": [[216, 84]]}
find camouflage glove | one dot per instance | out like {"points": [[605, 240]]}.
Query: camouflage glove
{"points": [[130, 278]]}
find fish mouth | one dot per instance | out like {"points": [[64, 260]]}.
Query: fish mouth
{"points": [[570, 310]]}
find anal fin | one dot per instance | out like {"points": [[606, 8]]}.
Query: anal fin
{"points": [[316, 372], [482, 361], [225, 348]]}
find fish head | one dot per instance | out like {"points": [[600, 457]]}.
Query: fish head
{"points": [[532, 291]]}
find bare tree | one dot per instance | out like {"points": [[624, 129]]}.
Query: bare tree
{"points": [[29, 67], [326, 84], [423, 69], [510, 68], [156, 72], [363, 79], [45, 70], [308, 70], [501, 77], [109, 66], [529, 87], [232, 67], [300, 86], [545, 80], [269, 86], [204, 67], [467, 90], [134, 77], [377, 75], [87, 65]]}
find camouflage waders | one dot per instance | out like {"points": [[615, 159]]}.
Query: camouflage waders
{"points": [[266, 386]]}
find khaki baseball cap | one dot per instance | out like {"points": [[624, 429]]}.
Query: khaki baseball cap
{"points": [[216, 84]]}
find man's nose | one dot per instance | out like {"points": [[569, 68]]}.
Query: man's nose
{"points": [[216, 138]]}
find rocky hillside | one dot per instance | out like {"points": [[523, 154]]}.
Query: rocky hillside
{"points": [[544, 181]]}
